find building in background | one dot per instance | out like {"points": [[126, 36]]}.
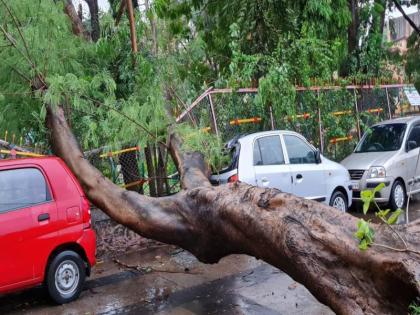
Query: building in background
{"points": [[398, 30]]}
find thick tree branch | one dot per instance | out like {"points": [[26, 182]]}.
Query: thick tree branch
{"points": [[311, 242], [193, 171]]}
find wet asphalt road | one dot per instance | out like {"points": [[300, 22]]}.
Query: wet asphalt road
{"points": [[179, 285], [236, 285]]}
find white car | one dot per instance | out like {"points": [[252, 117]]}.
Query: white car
{"points": [[286, 161]]}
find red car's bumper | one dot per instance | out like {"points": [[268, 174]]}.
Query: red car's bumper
{"points": [[88, 243]]}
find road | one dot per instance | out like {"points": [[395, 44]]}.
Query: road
{"points": [[173, 282]]}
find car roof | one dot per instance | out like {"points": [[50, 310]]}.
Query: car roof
{"points": [[267, 133], [32, 160], [400, 120]]}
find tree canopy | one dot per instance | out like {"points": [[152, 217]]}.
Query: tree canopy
{"points": [[58, 75], [184, 47]]}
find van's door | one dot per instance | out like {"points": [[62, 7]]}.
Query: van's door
{"points": [[269, 164], [308, 176], [412, 170], [26, 214]]}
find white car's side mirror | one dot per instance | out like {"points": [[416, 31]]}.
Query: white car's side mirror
{"points": [[317, 154]]}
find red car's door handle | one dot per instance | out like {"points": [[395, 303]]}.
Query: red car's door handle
{"points": [[43, 217]]}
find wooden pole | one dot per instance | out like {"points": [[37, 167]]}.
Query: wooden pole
{"points": [[321, 134], [359, 133], [132, 26], [272, 118], [213, 116], [387, 101]]}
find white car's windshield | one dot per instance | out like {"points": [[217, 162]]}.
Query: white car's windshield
{"points": [[381, 138]]}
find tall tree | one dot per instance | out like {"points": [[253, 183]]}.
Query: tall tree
{"points": [[313, 243], [94, 19]]}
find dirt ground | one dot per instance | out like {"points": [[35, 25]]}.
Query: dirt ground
{"points": [[137, 276]]}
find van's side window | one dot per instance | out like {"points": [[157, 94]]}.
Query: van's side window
{"points": [[268, 151], [415, 136], [21, 188], [299, 152]]}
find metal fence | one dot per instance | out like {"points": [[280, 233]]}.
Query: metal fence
{"points": [[332, 118], [141, 170]]}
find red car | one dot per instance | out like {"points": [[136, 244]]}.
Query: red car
{"points": [[46, 235]]}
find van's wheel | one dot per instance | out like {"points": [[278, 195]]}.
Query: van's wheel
{"points": [[65, 277], [339, 201], [398, 198]]}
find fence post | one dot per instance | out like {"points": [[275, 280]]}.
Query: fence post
{"points": [[357, 114], [213, 116], [272, 118], [387, 101], [150, 169], [321, 136]]}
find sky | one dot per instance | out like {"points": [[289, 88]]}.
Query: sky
{"points": [[103, 5]]}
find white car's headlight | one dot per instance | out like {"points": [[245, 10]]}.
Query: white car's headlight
{"points": [[377, 172]]}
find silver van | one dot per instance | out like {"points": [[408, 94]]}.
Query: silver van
{"points": [[387, 153]]}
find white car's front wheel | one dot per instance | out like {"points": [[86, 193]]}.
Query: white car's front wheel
{"points": [[398, 197], [339, 201]]}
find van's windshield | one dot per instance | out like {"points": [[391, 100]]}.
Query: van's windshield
{"points": [[381, 138]]}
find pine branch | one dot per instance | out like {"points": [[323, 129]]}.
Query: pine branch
{"points": [[142, 127], [17, 25]]}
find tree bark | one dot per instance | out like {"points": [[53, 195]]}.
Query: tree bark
{"points": [[76, 23], [150, 169], [311, 242], [94, 19], [153, 28], [352, 29], [121, 10]]}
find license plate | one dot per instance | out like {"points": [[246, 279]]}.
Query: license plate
{"points": [[355, 185]]}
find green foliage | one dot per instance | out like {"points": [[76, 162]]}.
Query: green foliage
{"points": [[271, 44], [414, 309], [394, 217], [364, 234], [199, 140], [413, 59], [54, 50], [368, 196], [97, 83], [276, 90]]}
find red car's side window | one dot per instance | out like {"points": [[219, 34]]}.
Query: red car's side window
{"points": [[22, 188]]}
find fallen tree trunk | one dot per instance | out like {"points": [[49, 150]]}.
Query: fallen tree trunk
{"points": [[311, 242]]}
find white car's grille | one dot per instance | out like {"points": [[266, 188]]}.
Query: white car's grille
{"points": [[356, 174]]}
